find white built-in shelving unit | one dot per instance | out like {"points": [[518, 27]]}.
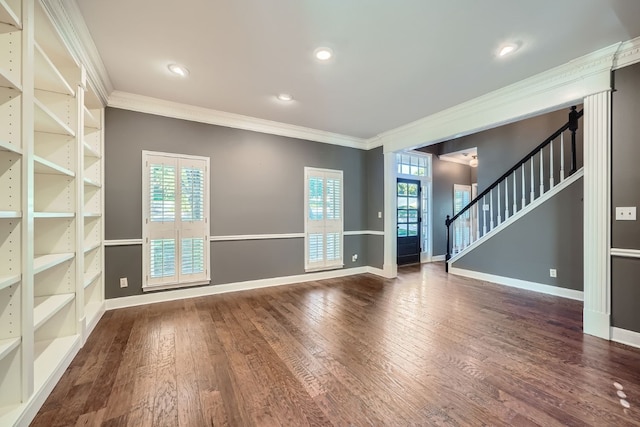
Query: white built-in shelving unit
{"points": [[51, 204]]}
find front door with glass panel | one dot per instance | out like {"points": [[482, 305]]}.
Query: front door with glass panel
{"points": [[408, 199]]}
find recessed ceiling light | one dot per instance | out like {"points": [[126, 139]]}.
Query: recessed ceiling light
{"points": [[323, 53], [285, 97], [507, 49], [179, 70]]}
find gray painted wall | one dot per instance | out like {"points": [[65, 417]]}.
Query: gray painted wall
{"points": [[550, 236], [498, 150], [445, 175], [625, 292], [256, 188]]}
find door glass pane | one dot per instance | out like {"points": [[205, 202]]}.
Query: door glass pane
{"points": [[413, 215], [402, 215], [413, 230], [402, 202], [402, 230], [413, 202], [402, 189], [412, 189]]}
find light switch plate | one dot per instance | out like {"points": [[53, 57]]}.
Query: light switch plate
{"points": [[626, 213]]}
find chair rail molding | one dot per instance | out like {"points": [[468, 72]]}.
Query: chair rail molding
{"points": [[597, 199]]}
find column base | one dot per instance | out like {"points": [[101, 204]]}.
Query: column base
{"points": [[597, 324]]}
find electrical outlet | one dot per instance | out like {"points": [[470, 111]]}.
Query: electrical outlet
{"points": [[354, 258], [553, 272], [626, 213], [123, 282]]}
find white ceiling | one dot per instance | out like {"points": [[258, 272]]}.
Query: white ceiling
{"points": [[395, 61], [463, 156]]}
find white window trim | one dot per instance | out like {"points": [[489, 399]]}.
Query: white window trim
{"points": [[202, 280], [307, 228]]}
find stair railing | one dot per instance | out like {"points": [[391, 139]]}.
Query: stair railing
{"points": [[470, 223]]}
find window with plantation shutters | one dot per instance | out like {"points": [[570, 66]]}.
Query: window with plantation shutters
{"points": [[175, 220], [323, 219]]}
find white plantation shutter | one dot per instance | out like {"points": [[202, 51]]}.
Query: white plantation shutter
{"points": [[175, 220], [323, 219]]}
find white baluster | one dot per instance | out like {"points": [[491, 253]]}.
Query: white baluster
{"points": [[541, 172], [561, 157], [515, 204], [491, 210], [499, 209], [484, 216], [524, 198], [506, 198], [532, 195], [477, 221], [551, 184]]}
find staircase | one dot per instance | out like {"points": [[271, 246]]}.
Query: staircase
{"points": [[530, 182]]}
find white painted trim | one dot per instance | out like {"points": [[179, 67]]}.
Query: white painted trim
{"points": [[520, 284], [91, 325], [596, 323], [132, 242], [628, 54], [514, 218], [438, 258], [390, 261], [363, 232], [123, 242], [376, 271], [159, 107], [556, 88], [626, 253], [625, 336], [256, 237], [178, 294], [68, 19], [597, 221]]}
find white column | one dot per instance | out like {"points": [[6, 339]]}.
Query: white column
{"points": [[597, 202], [390, 265]]}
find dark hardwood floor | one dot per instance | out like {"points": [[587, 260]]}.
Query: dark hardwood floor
{"points": [[424, 349]]}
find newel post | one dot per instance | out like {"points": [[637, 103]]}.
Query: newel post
{"points": [[447, 222], [573, 127]]}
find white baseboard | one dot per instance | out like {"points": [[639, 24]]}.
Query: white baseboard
{"points": [[154, 297], [596, 323], [91, 325], [438, 258], [520, 284], [376, 271], [625, 336]]}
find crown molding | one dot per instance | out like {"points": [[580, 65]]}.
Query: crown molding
{"points": [[68, 20], [160, 107], [628, 54], [556, 88]]}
